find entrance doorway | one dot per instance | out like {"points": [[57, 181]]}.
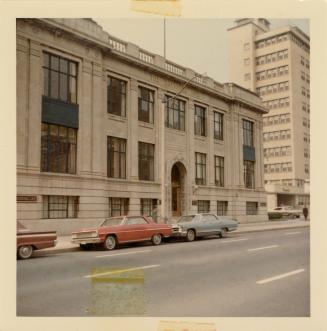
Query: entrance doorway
{"points": [[177, 189]]}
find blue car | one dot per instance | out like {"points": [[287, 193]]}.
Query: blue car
{"points": [[200, 225]]}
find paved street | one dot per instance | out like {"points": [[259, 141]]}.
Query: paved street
{"points": [[248, 274]]}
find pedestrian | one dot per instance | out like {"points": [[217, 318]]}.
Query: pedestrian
{"points": [[305, 212]]}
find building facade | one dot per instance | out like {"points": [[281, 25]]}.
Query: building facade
{"points": [[102, 130], [276, 65]]}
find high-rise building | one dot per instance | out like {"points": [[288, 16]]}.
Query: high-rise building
{"points": [[276, 65]]}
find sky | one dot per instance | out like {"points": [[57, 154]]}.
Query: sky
{"points": [[199, 44]]}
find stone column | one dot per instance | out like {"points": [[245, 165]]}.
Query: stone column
{"points": [[22, 67], [211, 148], [133, 139], [34, 107], [98, 122], [134, 206], [259, 182], [85, 119]]}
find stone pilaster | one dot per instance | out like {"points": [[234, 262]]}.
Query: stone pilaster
{"points": [[211, 148], [259, 182]]}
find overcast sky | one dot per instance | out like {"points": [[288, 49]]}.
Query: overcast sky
{"points": [[199, 44]]}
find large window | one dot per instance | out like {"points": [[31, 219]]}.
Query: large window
{"points": [[60, 206], [146, 105], [116, 157], [199, 121], [222, 208], [218, 126], [219, 171], [203, 206], [58, 149], [149, 208], [175, 113], [248, 174], [118, 206], [200, 168], [116, 96], [247, 133], [146, 161], [251, 208], [59, 78]]}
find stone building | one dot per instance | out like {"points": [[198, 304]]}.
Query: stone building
{"points": [[107, 128], [275, 63]]}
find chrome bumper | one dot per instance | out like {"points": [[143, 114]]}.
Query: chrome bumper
{"points": [[85, 240]]}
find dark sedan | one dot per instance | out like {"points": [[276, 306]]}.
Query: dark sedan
{"points": [[199, 225]]}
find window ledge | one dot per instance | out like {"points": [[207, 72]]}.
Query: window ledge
{"points": [[219, 142], [175, 131], [117, 118], [146, 125], [201, 138]]}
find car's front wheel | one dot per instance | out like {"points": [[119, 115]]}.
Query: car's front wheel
{"points": [[190, 235], [110, 243], [156, 239], [25, 252], [223, 233]]}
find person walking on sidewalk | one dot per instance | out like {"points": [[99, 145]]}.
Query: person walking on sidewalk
{"points": [[305, 212]]}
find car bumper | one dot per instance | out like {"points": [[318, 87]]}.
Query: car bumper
{"points": [[178, 234], [86, 241]]}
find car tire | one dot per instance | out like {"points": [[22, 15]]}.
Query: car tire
{"points": [[156, 239], [25, 252], [110, 243], [190, 235], [85, 247], [223, 233]]}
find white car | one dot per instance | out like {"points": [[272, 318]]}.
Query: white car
{"points": [[287, 211]]}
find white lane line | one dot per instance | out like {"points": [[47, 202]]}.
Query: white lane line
{"points": [[233, 240], [260, 248], [126, 253], [289, 233], [271, 279], [122, 270]]}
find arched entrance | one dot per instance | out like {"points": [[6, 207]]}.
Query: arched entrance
{"points": [[178, 189]]}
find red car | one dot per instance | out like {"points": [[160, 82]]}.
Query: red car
{"points": [[28, 241], [122, 229]]}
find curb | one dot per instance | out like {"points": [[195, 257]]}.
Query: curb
{"points": [[76, 248]]}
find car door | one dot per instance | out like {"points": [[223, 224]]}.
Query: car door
{"points": [[213, 223], [204, 225], [137, 228]]}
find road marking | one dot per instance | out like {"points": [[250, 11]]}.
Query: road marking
{"points": [[288, 233], [271, 279], [259, 248], [126, 253], [233, 240], [122, 270]]}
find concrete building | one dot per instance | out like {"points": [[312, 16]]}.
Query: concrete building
{"points": [[96, 139], [276, 65]]}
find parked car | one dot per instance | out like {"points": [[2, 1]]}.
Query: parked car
{"points": [[199, 225], [122, 229], [28, 241], [286, 211]]}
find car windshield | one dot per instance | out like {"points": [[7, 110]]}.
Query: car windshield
{"points": [[112, 221], [188, 218]]}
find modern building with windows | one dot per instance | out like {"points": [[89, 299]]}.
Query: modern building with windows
{"points": [[276, 65], [101, 132]]}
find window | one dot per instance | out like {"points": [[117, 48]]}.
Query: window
{"points": [[200, 168], [247, 76], [59, 78], [251, 208], [118, 206], [146, 102], [60, 206], [246, 46], [203, 206], [247, 133], [248, 174], [116, 96], [175, 114], [58, 149], [246, 61], [222, 208], [219, 171], [218, 126], [116, 157], [199, 121], [148, 208], [146, 161]]}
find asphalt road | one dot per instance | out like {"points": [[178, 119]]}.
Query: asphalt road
{"points": [[254, 274]]}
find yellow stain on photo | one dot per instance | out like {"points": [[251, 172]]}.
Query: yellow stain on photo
{"points": [[158, 7]]}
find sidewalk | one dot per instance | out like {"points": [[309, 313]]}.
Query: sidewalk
{"points": [[64, 244]]}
